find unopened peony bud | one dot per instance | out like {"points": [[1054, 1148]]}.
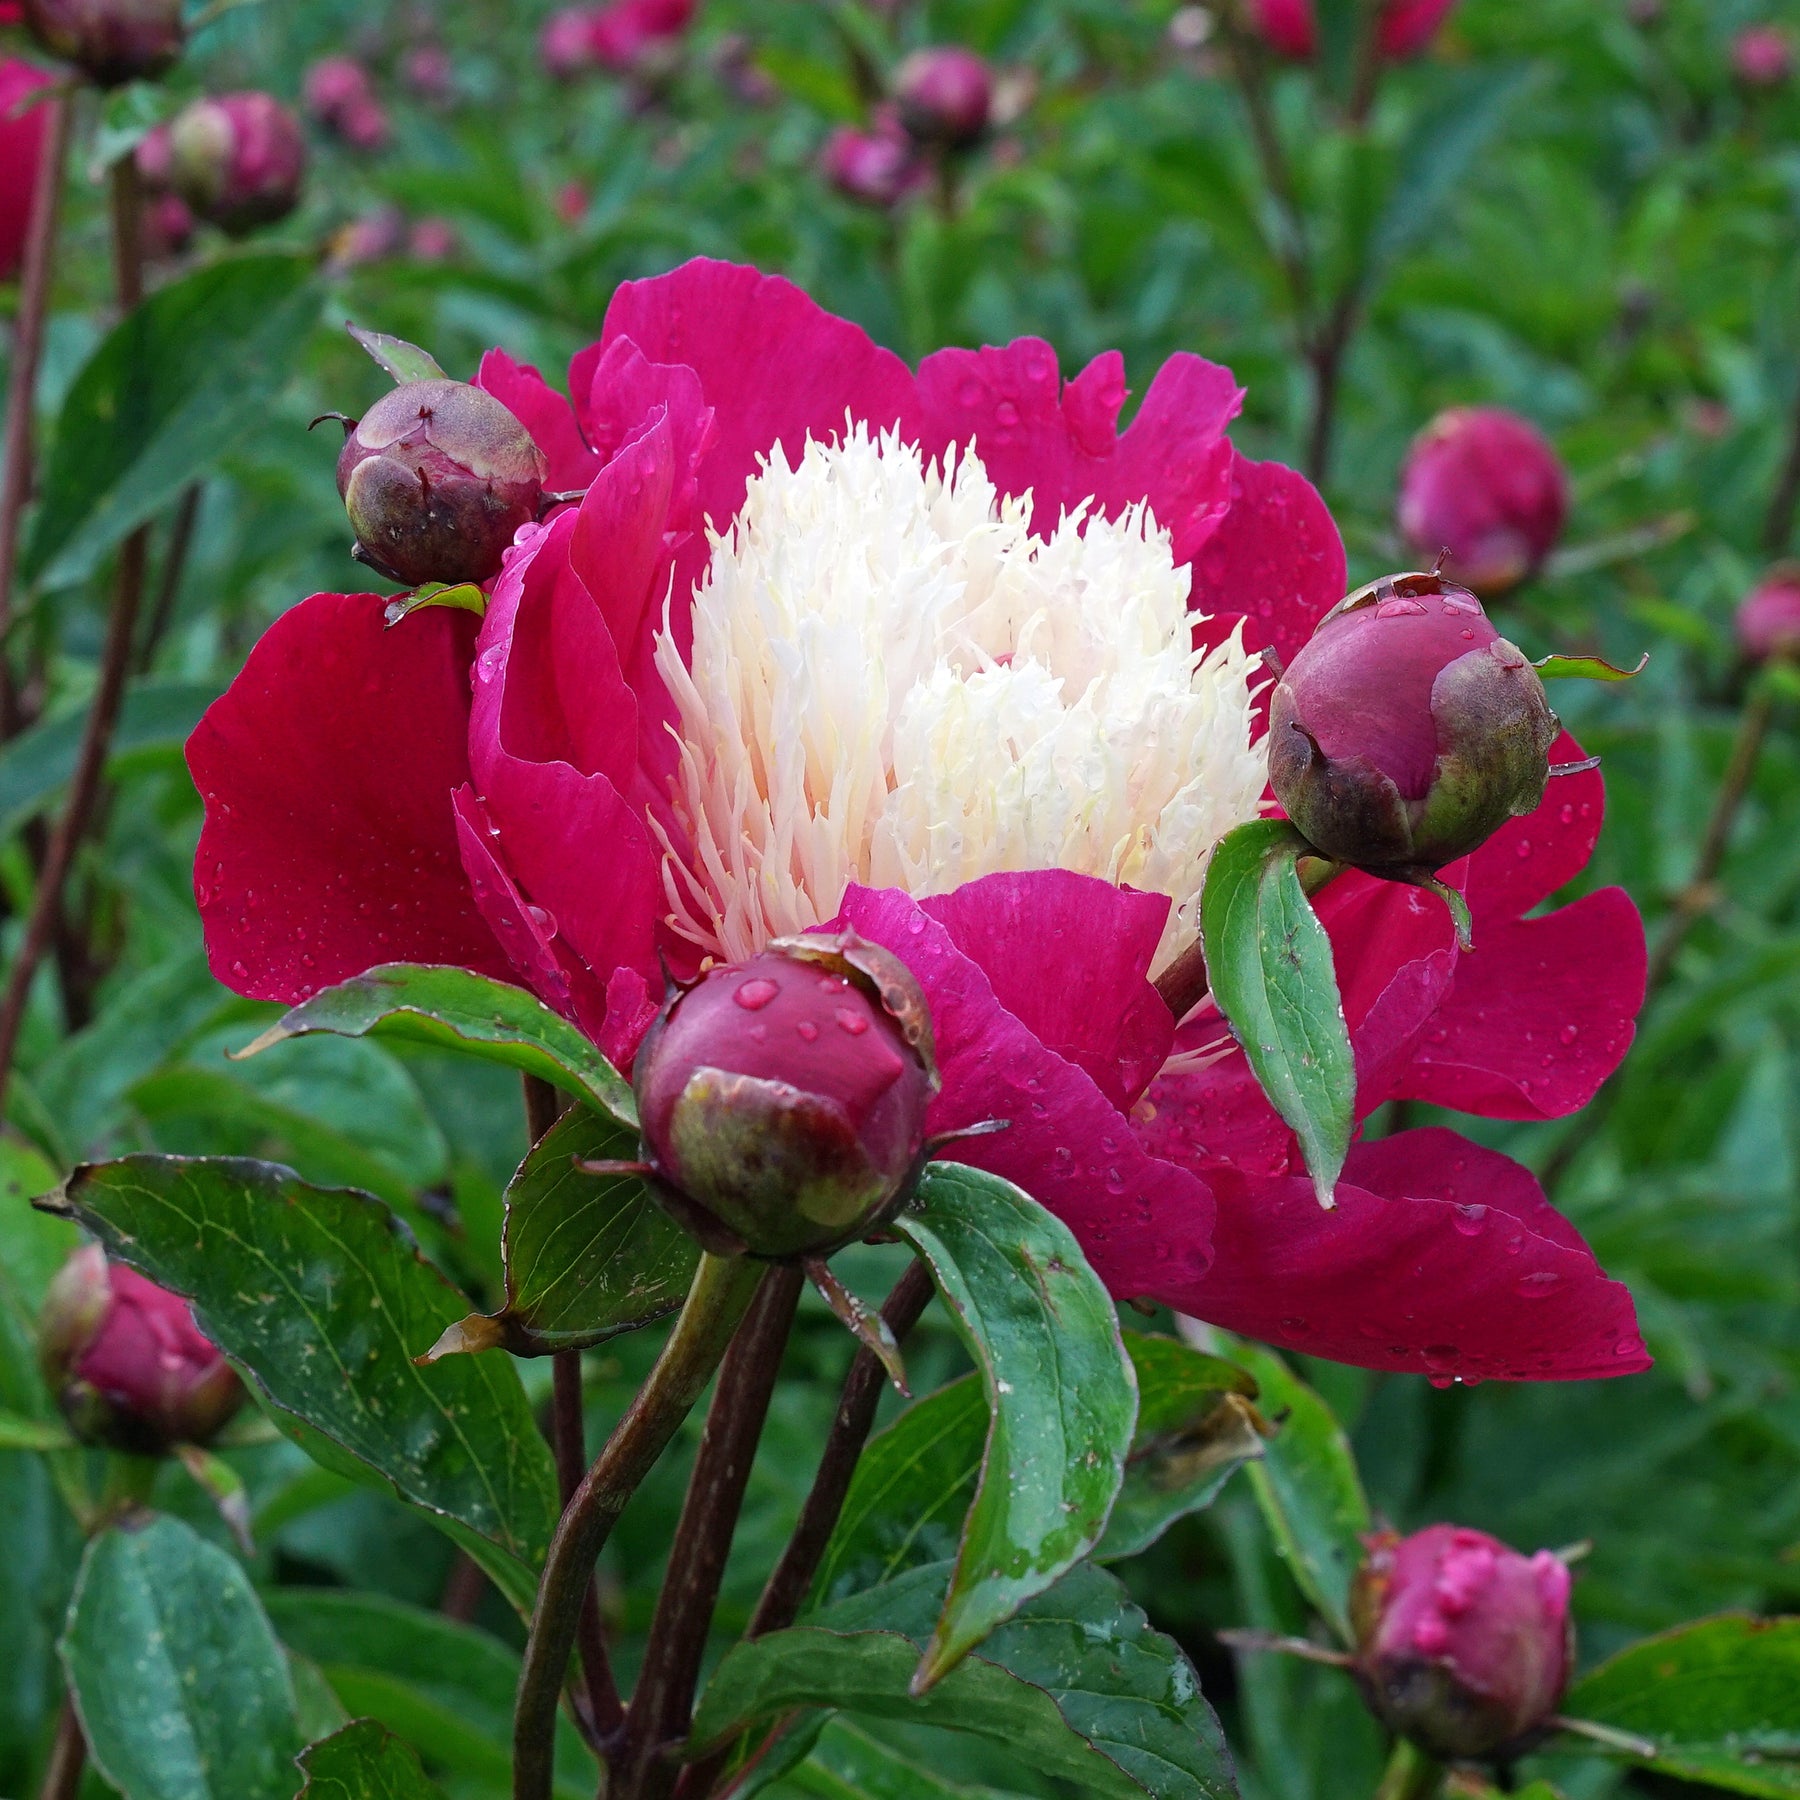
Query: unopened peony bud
{"points": [[23, 135], [110, 41], [1762, 56], [432, 240], [168, 227], [874, 168], [566, 44], [945, 95], [1290, 27], [1768, 622], [333, 85], [436, 478], [1462, 1645], [238, 160], [126, 1362], [428, 72], [783, 1099], [1485, 486], [1407, 730]]}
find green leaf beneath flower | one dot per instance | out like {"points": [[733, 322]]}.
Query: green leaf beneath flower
{"points": [[1719, 1701], [587, 1256], [364, 1761], [1062, 1396], [1269, 963], [450, 1008], [183, 1690], [320, 1294]]}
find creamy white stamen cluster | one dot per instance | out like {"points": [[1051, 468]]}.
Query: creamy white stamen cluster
{"points": [[894, 682]]}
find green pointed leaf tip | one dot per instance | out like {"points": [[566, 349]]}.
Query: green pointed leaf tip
{"points": [[465, 596], [364, 1761], [1061, 1392], [587, 1256], [183, 1690], [1719, 1699], [1272, 976], [323, 1298], [405, 362], [1587, 668], [171, 389], [450, 1008]]}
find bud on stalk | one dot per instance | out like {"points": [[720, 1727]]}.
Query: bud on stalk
{"points": [[945, 95], [1768, 622], [238, 160], [126, 1362], [110, 41], [1462, 1645], [436, 478], [783, 1099]]}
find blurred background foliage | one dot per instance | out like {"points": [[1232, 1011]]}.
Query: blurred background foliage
{"points": [[1569, 208]]}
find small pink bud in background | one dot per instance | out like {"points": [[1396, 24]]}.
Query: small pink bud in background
{"points": [[1408, 26], [571, 202], [128, 1365], [1762, 56], [876, 167], [945, 95], [238, 160], [168, 227], [22, 139], [369, 238], [1407, 730], [428, 72], [1286, 26], [1485, 485], [432, 240], [1290, 27], [783, 1099], [566, 44], [332, 85], [436, 478], [633, 36], [1462, 1645], [1768, 621], [364, 126], [110, 41]]}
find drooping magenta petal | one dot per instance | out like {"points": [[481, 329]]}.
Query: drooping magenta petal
{"points": [[545, 414], [1141, 1221], [1275, 561], [773, 365], [1441, 1258], [1539, 1015], [1208, 1109], [1529, 859], [327, 769], [1061, 444], [1069, 956]]}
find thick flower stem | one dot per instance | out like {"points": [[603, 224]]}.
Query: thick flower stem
{"points": [[1411, 1775], [68, 1756], [721, 1292], [21, 396], [109, 692], [544, 1105], [664, 1696]]}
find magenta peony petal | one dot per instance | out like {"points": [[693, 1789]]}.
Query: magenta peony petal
{"points": [[1061, 443], [327, 769], [1442, 1258], [545, 414], [1097, 1008], [1275, 561], [1539, 1015], [1141, 1221], [1529, 859], [773, 365]]}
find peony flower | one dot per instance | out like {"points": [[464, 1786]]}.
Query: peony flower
{"points": [[1290, 26], [1484, 485], [947, 659], [22, 139]]}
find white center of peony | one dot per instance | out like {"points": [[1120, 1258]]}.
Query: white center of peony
{"points": [[894, 682]]}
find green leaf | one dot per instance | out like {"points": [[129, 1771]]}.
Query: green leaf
{"points": [[465, 596], [172, 388], [1586, 668], [405, 362], [848, 1764], [321, 1295], [446, 1687], [1077, 1686], [1719, 1700], [364, 1761], [587, 1256], [1270, 965], [1062, 1397], [450, 1008], [20, 1433], [32, 1249], [1308, 1488], [182, 1688], [157, 718]]}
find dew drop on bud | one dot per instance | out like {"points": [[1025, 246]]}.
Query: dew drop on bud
{"points": [[753, 996]]}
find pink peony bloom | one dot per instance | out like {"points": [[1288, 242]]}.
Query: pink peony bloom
{"points": [[1484, 485], [21, 151], [997, 736], [1762, 56], [1291, 28], [1768, 622]]}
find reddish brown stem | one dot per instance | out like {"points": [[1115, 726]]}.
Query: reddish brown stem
{"points": [[664, 1697], [109, 693], [36, 279], [68, 1756], [463, 1589]]}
